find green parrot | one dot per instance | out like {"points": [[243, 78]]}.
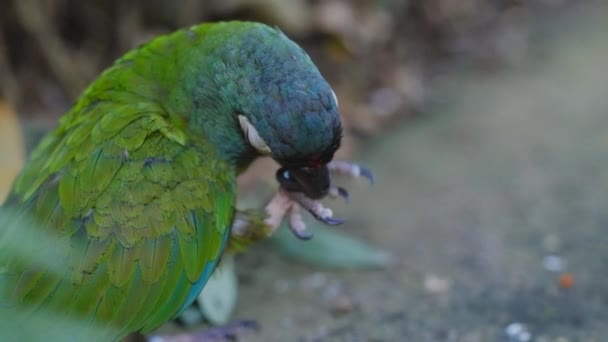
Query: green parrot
{"points": [[132, 196]]}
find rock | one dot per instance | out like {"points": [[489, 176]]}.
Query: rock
{"points": [[342, 305], [436, 284]]}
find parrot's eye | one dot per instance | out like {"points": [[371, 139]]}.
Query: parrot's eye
{"points": [[252, 136], [284, 178]]}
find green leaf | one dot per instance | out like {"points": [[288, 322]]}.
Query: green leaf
{"points": [[218, 298], [329, 247]]}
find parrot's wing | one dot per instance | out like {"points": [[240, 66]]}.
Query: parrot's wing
{"points": [[117, 208]]}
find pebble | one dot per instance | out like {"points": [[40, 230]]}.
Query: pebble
{"points": [[554, 263], [341, 305], [314, 281], [518, 332], [565, 280], [436, 284]]}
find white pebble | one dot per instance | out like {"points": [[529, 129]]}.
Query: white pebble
{"points": [[518, 332], [514, 329], [434, 283], [554, 263]]}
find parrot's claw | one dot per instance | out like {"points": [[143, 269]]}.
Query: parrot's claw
{"points": [[230, 332], [316, 209], [338, 191], [352, 170], [332, 221], [285, 203], [302, 234], [296, 223], [367, 173]]}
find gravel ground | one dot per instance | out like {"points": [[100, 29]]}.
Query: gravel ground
{"points": [[493, 207]]}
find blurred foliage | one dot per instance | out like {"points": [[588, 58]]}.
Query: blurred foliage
{"points": [[23, 244], [330, 247], [378, 54]]}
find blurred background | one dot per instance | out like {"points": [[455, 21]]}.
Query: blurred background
{"points": [[486, 123]]}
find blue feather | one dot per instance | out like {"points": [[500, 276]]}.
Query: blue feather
{"points": [[197, 287]]}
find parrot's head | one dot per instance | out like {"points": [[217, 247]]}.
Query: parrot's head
{"points": [[281, 106], [290, 114]]}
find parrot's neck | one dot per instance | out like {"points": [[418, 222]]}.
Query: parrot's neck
{"points": [[212, 109], [229, 142], [221, 128]]}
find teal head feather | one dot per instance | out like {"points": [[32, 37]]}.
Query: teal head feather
{"points": [[255, 72]]}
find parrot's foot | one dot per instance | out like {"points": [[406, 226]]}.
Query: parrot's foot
{"points": [[230, 332], [282, 205], [288, 203]]}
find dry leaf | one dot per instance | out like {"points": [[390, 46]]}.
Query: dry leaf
{"points": [[12, 149]]}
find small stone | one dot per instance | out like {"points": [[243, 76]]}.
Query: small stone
{"points": [[554, 263], [566, 280], [341, 305], [524, 336], [518, 332], [436, 284], [514, 329], [314, 281]]}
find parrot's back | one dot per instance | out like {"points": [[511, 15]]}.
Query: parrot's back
{"points": [[128, 210]]}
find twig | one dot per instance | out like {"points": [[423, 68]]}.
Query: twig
{"points": [[69, 74], [9, 85]]}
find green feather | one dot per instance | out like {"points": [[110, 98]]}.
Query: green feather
{"points": [[122, 263]]}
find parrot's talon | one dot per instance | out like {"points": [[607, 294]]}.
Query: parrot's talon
{"points": [[297, 224], [367, 173], [316, 209], [339, 191], [303, 235], [332, 221], [352, 170]]}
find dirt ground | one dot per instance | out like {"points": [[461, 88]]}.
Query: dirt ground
{"points": [[493, 207]]}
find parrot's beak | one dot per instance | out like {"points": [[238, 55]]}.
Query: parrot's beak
{"points": [[314, 182]]}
